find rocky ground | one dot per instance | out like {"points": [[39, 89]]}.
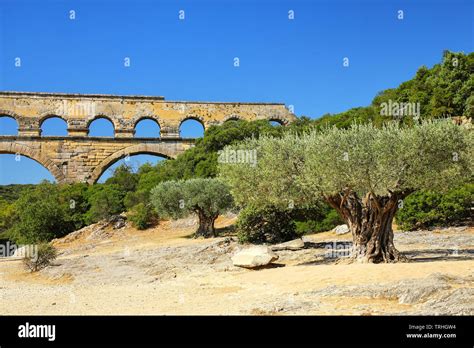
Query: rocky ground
{"points": [[102, 270]]}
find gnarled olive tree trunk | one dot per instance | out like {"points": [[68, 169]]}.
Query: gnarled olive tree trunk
{"points": [[206, 225], [370, 222]]}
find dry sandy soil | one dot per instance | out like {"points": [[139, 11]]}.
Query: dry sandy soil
{"points": [[163, 271]]}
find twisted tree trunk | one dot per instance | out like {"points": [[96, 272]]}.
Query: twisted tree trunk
{"points": [[206, 225], [370, 222]]}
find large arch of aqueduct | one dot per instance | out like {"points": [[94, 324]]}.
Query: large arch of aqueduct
{"points": [[81, 158]]}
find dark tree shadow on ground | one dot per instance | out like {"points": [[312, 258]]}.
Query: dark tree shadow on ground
{"points": [[228, 231], [320, 261], [423, 255], [335, 251], [429, 255]]}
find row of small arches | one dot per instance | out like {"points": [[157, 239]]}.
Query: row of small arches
{"points": [[103, 127]]}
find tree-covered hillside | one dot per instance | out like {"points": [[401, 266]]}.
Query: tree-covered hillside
{"points": [[445, 90]]}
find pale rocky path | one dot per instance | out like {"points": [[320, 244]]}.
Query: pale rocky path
{"points": [[162, 271]]}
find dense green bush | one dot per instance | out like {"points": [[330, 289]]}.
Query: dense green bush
{"points": [[330, 220], [6, 214], [142, 216], [124, 178], [132, 199], [10, 193], [276, 225], [265, 225], [427, 208], [41, 214], [105, 201], [75, 200]]}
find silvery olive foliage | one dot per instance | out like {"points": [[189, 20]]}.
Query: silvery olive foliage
{"points": [[363, 159], [167, 198], [207, 198], [177, 199]]}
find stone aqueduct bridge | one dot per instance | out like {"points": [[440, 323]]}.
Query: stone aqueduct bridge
{"points": [[81, 158]]}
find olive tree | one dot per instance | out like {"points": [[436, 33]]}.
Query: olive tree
{"points": [[207, 198], [363, 172]]}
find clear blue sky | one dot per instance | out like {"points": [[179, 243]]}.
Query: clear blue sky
{"points": [[298, 62]]}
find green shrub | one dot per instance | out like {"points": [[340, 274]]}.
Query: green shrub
{"points": [[326, 223], [124, 178], [142, 216], [133, 198], [105, 201], [44, 256], [6, 213], [424, 209], [73, 198], [39, 215], [266, 225]]}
